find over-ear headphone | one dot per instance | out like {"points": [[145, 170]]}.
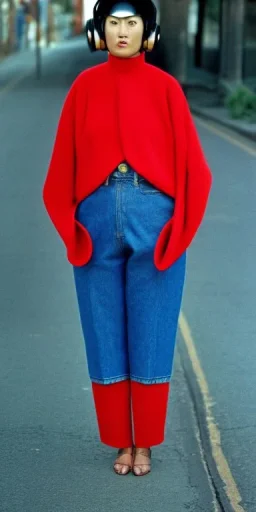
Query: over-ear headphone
{"points": [[94, 28]]}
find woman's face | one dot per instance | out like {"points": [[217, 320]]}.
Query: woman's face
{"points": [[124, 35]]}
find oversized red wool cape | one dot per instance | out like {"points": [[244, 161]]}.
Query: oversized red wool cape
{"points": [[126, 109]]}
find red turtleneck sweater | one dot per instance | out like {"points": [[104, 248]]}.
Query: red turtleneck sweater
{"points": [[126, 109]]}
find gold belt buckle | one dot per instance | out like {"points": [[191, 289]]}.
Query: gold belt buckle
{"points": [[123, 168]]}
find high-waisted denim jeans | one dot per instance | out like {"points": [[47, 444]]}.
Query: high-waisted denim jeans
{"points": [[128, 309]]}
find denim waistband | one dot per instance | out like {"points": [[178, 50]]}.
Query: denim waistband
{"points": [[130, 175]]}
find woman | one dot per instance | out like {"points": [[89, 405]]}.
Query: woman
{"points": [[127, 188]]}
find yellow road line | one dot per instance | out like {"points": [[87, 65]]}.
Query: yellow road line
{"points": [[221, 462], [230, 138]]}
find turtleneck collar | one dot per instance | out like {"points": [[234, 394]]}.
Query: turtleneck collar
{"points": [[128, 65]]}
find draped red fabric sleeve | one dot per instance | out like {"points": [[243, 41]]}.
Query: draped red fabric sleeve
{"points": [[59, 187], [193, 184]]}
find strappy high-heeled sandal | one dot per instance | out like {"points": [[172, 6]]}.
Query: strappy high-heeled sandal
{"points": [[121, 452], [147, 453]]}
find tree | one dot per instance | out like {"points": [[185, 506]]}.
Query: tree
{"points": [[200, 31], [174, 18], [232, 36]]}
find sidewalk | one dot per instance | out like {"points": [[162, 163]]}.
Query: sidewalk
{"points": [[220, 115], [22, 63], [19, 65], [206, 103]]}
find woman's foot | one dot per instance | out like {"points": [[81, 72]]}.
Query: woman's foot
{"points": [[124, 461], [142, 461]]}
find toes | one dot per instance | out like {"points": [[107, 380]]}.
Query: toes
{"points": [[121, 468], [122, 465], [141, 469]]}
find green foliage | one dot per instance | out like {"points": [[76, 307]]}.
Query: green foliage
{"points": [[242, 104]]}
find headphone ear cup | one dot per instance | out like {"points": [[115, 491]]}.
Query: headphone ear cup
{"points": [[89, 32], [151, 42], [95, 43]]}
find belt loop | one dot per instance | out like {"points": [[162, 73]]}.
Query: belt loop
{"points": [[136, 179], [107, 181]]}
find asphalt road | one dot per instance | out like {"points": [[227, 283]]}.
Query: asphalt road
{"points": [[51, 457]]}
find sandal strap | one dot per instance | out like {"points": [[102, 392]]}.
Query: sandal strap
{"points": [[122, 451], [146, 453]]}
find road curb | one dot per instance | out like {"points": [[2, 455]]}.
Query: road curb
{"points": [[249, 133]]}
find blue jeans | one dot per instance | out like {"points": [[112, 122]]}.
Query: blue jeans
{"points": [[128, 309]]}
